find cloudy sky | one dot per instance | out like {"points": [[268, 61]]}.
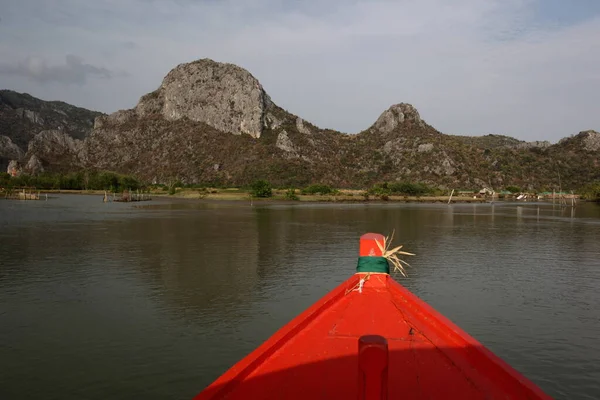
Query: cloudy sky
{"points": [[524, 68]]}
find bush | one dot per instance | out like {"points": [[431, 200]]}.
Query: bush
{"points": [[290, 194], [591, 192], [261, 188], [318, 189], [513, 189], [4, 178], [380, 190], [403, 188], [410, 189], [202, 193]]}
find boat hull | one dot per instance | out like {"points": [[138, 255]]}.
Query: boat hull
{"points": [[316, 355]]}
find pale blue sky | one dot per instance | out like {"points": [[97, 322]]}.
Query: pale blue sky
{"points": [[524, 68]]}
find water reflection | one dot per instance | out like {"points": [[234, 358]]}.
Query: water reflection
{"points": [[194, 261]]}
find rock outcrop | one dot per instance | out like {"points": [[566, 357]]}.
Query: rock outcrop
{"points": [[591, 140], [284, 143], [398, 115], [14, 168], [8, 151], [34, 166], [54, 148], [221, 95], [530, 145], [302, 128]]}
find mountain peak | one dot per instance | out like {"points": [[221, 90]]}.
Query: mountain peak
{"points": [[398, 115], [222, 95], [590, 139]]}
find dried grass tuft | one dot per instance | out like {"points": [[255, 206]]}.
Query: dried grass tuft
{"points": [[392, 254]]}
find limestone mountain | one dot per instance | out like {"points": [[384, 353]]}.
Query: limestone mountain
{"points": [[213, 123], [44, 125]]}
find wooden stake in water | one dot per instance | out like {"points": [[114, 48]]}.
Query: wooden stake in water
{"points": [[450, 196]]}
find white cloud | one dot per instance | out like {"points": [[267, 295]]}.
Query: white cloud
{"points": [[469, 66]]}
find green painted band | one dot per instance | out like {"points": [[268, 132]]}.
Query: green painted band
{"points": [[373, 264]]}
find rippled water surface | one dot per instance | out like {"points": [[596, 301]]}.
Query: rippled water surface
{"points": [[121, 301]]}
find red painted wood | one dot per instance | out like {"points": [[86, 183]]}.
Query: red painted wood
{"points": [[368, 245], [373, 362], [315, 356]]}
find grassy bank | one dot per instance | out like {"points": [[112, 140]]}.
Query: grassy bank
{"points": [[277, 195], [234, 194]]}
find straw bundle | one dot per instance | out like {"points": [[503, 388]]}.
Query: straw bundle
{"points": [[392, 254]]}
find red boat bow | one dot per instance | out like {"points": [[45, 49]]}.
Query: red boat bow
{"points": [[370, 338]]}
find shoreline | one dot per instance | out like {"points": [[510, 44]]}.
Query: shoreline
{"points": [[347, 196], [240, 197]]}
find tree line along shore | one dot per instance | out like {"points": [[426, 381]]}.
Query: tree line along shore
{"points": [[99, 182]]}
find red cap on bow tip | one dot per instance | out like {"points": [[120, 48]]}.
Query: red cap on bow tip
{"points": [[368, 245]]}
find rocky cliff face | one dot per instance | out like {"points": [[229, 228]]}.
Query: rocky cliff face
{"points": [[223, 96], [54, 148], [213, 123], [590, 140], [23, 117], [9, 150]]}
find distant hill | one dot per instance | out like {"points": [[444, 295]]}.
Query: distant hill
{"points": [[23, 117], [211, 122]]}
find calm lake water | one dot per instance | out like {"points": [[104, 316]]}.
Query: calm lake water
{"points": [[155, 300]]}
